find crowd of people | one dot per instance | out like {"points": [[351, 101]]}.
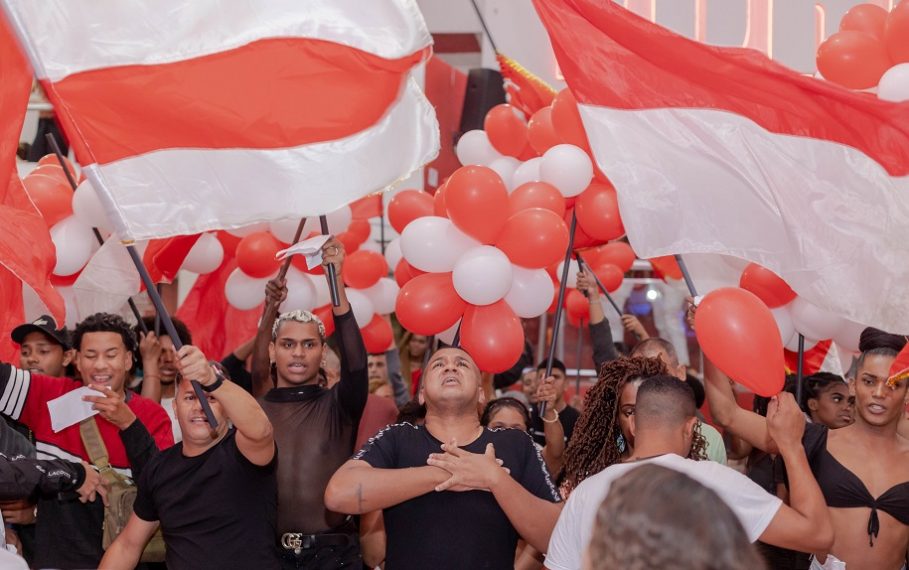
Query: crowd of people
{"points": [[325, 456]]}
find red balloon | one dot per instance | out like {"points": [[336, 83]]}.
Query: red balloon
{"points": [[598, 212], [377, 335], [477, 202], [534, 238], [438, 203], [581, 239], [540, 131], [617, 253], [229, 242], [738, 333], [853, 59], [493, 336], [299, 261], [566, 119], [428, 304], [53, 197], [360, 229], [404, 272], [349, 241], [256, 254], [767, 285], [52, 170], [364, 268], [407, 206], [536, 195], [576, 305], [327, 317], [610, 276], [868, 18], [51, 159], [667, 267], [896, 31], [506, 130]]}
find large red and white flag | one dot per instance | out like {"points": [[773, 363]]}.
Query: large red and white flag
{"points": [[722, 151], [192, 116]]}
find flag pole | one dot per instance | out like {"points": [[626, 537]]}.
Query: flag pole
{"points": [[52, 141], [382, 223], [602, 288], [800, 370], [577, 380], [330, 270], [559, 308], [485, 27], [286, 265], [688, 281]]}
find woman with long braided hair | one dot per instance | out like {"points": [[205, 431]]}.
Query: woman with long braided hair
{"points": [[603, 433]]}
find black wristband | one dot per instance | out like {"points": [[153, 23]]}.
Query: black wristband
{"points": [[219, 378]]}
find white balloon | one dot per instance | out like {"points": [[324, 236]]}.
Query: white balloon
{"points": [[531, 292], [527, 172], [482, 275], [247, 230], [285, 230], [474, 148], [74, 241], [447, 336], [894, 85], [393, 253], [793, 344], [88, 208], [784, 322], [361, 306], [301, 293], [847, 337], [568, 168], [323, 295], [505, 167], [813, 321], [338, 221], [573, 269], [383, 295], [434, 244], [244, 292], [205, 256]]}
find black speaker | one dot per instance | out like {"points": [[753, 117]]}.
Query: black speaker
{"points": [[485, 90]]}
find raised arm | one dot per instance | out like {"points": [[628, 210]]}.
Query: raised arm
{"points": [[600, 333], [275, 293], [393, 365], [150, 349], [805, 524], [554, 450], [358, 487], [353, 388], [255, 436], [724, 408]]}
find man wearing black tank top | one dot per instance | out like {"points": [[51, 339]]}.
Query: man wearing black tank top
{"points": [[862, 469], [315, 428]]}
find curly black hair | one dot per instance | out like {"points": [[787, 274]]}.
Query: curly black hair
{"points": [[105, 322]]}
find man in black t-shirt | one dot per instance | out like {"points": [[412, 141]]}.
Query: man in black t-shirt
{"points": [[214, 494], [448, 505], [568, 416]]}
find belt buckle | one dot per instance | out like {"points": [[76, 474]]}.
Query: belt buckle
{"points": [[292, 541]]}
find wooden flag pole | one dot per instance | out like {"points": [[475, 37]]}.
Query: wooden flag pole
{"points": [[72, 183]]}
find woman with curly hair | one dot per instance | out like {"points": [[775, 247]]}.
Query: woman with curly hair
{"points": [[656, 517], [603, 431]]}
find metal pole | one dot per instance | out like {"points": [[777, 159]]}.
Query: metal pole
{"points": [[688, 281], [800, 370], [382, 223], [559, 308], [72, 183], [330, 270], [485, 27], [577, 380], [581, 264]]}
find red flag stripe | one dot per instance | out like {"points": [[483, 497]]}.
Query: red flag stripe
{"points": [[671, 71], [264, 93]]}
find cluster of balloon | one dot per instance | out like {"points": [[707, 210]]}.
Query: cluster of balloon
{"points": [[743, 330], [478, 255], [870, 51], [370, 292]]}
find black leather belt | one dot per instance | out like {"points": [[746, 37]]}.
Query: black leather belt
{"points": [[297, 541]]}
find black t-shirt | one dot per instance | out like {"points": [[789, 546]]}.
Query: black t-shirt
{"points": [[237, 372], [453, 529], [217, 510], [568, 417]]}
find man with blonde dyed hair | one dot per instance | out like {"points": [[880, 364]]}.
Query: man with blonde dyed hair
{"points": [[315, 428]]}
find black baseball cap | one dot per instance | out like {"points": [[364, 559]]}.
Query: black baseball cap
{"points": [[44, 324]]}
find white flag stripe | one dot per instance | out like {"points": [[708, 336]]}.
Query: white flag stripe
{"points": [[188, 191], [824, 216], [139, 32]]}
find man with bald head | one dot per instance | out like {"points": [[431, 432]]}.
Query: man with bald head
{"points": [[663, 349], [454, 494]]}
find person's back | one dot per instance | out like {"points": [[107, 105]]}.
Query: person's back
{"points": [[655, 517]]}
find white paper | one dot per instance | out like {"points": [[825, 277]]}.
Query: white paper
{"points": [[70, 409], [311, 248]]}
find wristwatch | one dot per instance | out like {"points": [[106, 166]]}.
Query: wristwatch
{"points": [[219, 377]]}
